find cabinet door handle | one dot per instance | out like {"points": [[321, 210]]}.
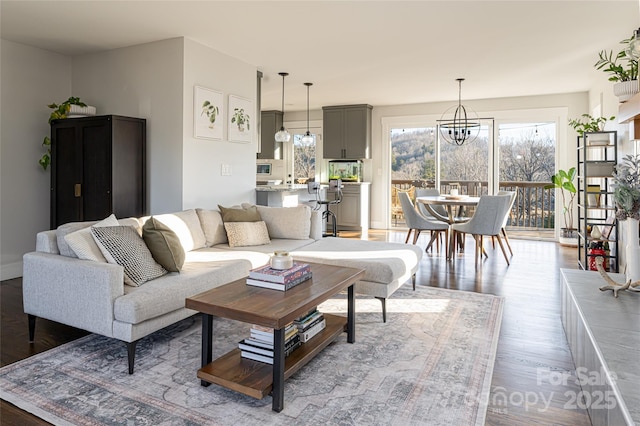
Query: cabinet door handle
{"points": [[77, 190]]}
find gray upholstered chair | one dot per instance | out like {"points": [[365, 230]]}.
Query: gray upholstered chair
{"points": [[487, 220], [512, 194], [418, 223]]}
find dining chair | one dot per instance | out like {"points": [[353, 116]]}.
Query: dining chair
{"points": [[486, 221], [418, 223], [512, 194]]}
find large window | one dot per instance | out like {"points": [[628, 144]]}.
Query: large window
{"points": [[304, 158], [413, 154]]}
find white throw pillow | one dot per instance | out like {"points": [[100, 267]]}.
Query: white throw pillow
{"points": [[243, 234], [122, 245], [82, 243]]}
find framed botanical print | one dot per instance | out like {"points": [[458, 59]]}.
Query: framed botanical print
{"points": [[240, 120], [208, 113]]}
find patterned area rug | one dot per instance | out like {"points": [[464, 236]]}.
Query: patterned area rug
{"points": [[430, 364]]}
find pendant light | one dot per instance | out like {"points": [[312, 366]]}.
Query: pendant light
{"points": [[308, 137], [461, 128], [283, 135]]}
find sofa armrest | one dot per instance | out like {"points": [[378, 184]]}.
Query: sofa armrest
{"points": [[316, 225], [76, 292], [47, 242]]}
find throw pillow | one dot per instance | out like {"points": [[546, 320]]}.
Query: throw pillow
{"points": [[186, 225], [82, 243], [243, 214], [243, 234], [122, 245], [211, 221], [164, 245], [292, 223]]}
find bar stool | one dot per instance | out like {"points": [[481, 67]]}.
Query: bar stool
{"points": [[328, 217]]}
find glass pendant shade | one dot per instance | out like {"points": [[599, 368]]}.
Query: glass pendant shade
{"points": [[283, 135], [307, 138]]}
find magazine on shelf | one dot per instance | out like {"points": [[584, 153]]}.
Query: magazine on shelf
{"points": [[282, 276], [278, 286]]}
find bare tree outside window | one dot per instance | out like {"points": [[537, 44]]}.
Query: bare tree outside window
{"points": [[304, 159]]}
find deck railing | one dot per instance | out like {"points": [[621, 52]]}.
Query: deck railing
{"points": [[533, 208]]}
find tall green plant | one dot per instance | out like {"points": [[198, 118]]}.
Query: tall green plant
{"points": [[587, 123], [564, 181]]}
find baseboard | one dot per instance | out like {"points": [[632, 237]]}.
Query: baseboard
{"points": [[10, 270]]}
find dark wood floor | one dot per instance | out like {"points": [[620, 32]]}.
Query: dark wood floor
{"points": [[532, 342]]}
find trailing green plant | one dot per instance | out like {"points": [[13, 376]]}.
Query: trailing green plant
{"points": [[59, 111], [620, 67], [563, 180], [240, 118], [587, 123]]}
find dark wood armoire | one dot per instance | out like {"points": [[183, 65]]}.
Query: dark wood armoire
{"points": [[97, 168]]}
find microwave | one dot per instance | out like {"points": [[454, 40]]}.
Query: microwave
{"points": [[263, 169]]}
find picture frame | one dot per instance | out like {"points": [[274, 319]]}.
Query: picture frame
{"points": [[240, 120], [208, 113]]}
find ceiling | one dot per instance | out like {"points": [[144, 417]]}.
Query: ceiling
{"points": [[375, 52]]}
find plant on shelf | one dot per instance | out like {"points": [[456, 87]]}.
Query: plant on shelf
{"points": [[563, 180], [621, 69], [626, 184], [211, 111], [587, 123], [241, 119], [59, 111]]}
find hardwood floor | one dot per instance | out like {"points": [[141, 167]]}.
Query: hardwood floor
{"points": [[532, 349]]}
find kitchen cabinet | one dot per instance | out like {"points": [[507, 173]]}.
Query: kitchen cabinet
{"points": [[597, 226], [347, 131], [270, 123], [352, 213], [97, 168]]}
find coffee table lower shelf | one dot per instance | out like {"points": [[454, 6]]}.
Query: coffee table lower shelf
{"points": [[254, 378]]}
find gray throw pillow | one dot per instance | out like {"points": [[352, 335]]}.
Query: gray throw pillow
{"points": [[248, 214], [123, 245]]}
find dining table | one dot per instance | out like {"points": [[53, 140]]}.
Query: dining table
{"points": [[455, 206]]}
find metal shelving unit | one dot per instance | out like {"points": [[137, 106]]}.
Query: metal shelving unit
{"points": [[597, 156]]}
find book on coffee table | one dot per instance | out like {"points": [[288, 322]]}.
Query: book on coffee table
{"points": [[279, 286], [281, 276]]}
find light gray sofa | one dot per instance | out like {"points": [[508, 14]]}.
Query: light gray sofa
{"points": [[92, 295]]}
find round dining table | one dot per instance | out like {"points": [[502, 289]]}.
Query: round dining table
{"points": [[454, 205]]}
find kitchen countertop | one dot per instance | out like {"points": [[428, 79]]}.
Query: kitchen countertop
{"points": [[297, 187]]}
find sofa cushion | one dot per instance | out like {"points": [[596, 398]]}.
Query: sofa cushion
{"points": [[242, 234], [123, 245], [242, 214], [212, 226], [384, 262], [167, 293], [287, 222], [186, 225], [164, 245], [82, 244]]}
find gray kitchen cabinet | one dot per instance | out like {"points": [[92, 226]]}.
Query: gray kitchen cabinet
{"points": [[270, 123], [352, 212], [347, 131]]}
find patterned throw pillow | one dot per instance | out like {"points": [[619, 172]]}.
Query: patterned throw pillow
{"points": [[243, 234], [123, 245], [163, 244], [82, 243]]}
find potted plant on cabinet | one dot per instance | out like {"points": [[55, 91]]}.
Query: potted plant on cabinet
{"points": [[587, 123], [563, 180], [622, 70], [72, 106]]}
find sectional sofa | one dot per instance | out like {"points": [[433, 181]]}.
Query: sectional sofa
{"points": [[110, 278]]}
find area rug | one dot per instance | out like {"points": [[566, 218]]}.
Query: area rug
{"points": [[430, 364]]}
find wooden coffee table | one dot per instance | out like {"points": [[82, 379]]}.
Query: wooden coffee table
{"points": [[275, 309]]}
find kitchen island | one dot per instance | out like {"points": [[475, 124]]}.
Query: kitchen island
{"points": [[283, 195]]}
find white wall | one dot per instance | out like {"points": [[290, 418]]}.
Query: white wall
{"points": [[143, 81], [31, 79], [202, 182]]}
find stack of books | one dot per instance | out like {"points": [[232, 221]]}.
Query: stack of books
{"points": [[279, 279], [259, 347], [310, 324]]}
